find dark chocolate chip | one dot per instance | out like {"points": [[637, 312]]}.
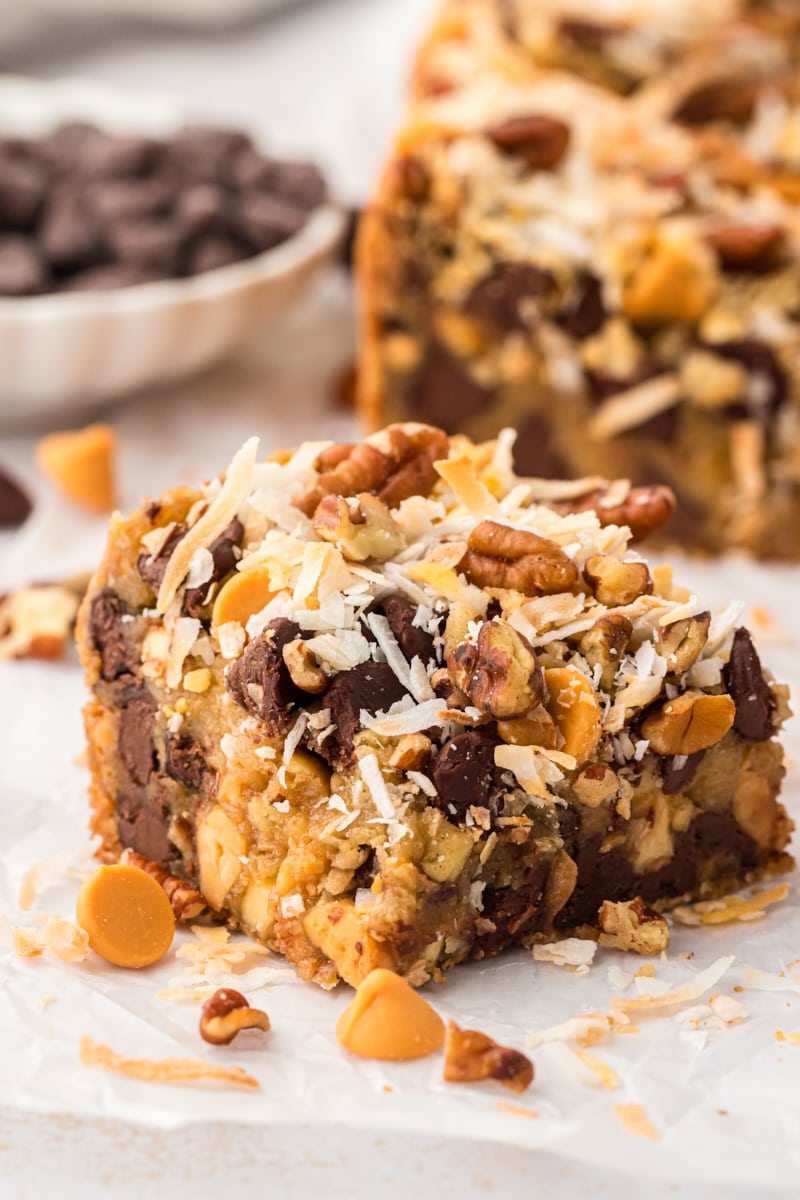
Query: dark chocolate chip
{"points": [[224, 552], [120, 199], [23, 271], [539, 140], [259, 680], [109, 156], [443, 392], [744, 679], [135, 741], [22, 192], [300, 183], [583, 312], [264, 221], [413, 641], [675, 777], [212, 251], [15, 506], [508, 298], [65, 145], [68, 235], [207, 152], [143, 819], [186, 762], [153, 242], [203, 209], [535, 452], [371, 686], [152, 567], [463, 772], [117, 650], [109, 276], [763, 366]]}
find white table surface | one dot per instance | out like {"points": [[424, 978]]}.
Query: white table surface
{"points": [[324, 79]]}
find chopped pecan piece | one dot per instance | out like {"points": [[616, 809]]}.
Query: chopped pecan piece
{"points": [[501, 557], [361, 527], [750, 245], [644, 510], [471, 1056], [498, 672], [631, 925], [605, 644], [682, 642], [227, 1013], [616, 583]]}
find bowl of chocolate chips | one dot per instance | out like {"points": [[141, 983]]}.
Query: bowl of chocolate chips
{"points": [[137, 249]]}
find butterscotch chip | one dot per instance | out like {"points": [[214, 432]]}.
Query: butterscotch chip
{"points": [[127, 916], [81, 465], [388, 1020], [245, 593]]}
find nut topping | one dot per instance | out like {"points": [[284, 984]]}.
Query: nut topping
{"points": [[361, 527], [305, 671], [227, 1013], [540, 141], [631, 925], [605, 644], [471, 1056], [186, 901], [616, 583], [500, 557], [573, 705], [644, 510], [751, 245], [537, 729], [596, 784], [691, 722], [498, 672], [682, 642]]}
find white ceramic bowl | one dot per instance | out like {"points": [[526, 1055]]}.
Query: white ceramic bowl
{"points": [[64, 352]]}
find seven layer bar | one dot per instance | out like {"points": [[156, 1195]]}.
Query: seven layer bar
{"points": [[390, 705]]}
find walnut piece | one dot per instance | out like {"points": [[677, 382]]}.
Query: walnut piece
{"points": [[498, 672], [227, 1013], [186, 901], [691, 722], [537, 729], [500, 557], [360, 527], [596, 784], [631, 925], [471, 1056], [305, 671], [411, 752], [605, 644], [682, 642], [615, 582]]}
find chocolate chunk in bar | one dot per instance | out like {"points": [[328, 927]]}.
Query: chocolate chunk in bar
{"points": [[265, 221], [186, 763], [583, 311], [23, 271], [444, 393], [22, 191], [225, 553], [412, 640], [764, 369], [677, 772], [744, 679], [509, 297], [136, 748], [152, 567], [118, 653], [68, 234], [143, 819], [463, 772], [259, 680], [371, 686], [15, 505]]}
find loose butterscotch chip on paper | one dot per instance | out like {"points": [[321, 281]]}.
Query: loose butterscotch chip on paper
{"points": [[81, 465], [388, 1020], [127, 916]]}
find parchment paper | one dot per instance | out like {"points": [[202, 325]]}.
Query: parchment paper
{"points": [[725, 1103]]}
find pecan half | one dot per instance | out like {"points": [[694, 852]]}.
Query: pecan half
{"points": [[498, 672], [393, 464], [471, 1056], [186, 901], [644, 510], [631, 925], [501, 557], [227, 1013]]}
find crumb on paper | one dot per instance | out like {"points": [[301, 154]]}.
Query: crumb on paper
{"points": [[674, 998], [570, 952], [730, 908], [515, 1110], [46, 1000], [58, 935], [636, 1121], [646, 971], [162, 1070], [792, 1038], [586, 1029], [185, 995], [761, 616], [212, 954]]}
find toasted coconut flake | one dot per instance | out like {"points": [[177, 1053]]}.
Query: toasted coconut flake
{"points": [[547, 490], [636, 1121], [459, 473], [792, 1038], [762, 981], [586, 1029], [630, 409], [40, 874], [569, 952], [162, 1070], [603, 1075], [217, 517], [447, 583], [61, 937], [515, 1110], [674, 999], [728, 1009], [373, 778], [43, 1002], [730, 908]]}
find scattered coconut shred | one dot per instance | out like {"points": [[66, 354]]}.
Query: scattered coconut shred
{"points": [[730, 908], [162, 1070], [636, 1121]]}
